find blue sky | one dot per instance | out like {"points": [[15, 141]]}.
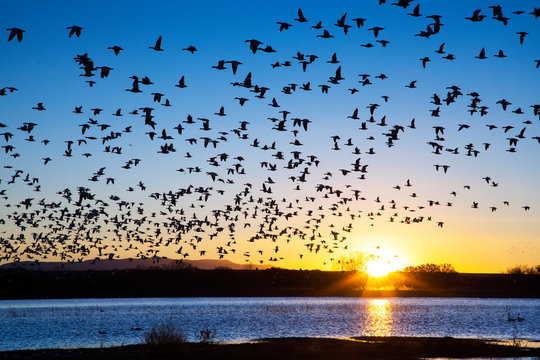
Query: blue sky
{"points": [[43, 70]]}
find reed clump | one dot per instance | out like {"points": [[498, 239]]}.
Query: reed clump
{"points": [[165, 336]]}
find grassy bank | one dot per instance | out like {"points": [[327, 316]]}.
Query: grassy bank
{"points": [[294, 348]]}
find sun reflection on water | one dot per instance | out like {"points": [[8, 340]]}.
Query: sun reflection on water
{"points": [[379, 320]]}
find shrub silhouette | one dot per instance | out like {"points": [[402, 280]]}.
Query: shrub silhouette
{"points": [[165, 335], [207, 336]]}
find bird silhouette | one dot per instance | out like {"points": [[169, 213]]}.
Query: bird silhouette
{"points": [[482, 54], [254, 45], [74, 30], [116, 49], [15, 32], [300, 17], [157, 46], [190, 48], [283, 26]]}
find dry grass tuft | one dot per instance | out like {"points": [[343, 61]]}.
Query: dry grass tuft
{"points": [[165, 335]]}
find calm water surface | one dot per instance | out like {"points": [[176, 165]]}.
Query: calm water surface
{"points": [[32, 324]]}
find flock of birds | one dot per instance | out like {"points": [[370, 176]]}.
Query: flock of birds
{"points": [[227, 207]]}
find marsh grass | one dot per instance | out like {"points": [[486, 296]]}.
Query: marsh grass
{"points": [[165, 338], [516, 341], [207, 336]]}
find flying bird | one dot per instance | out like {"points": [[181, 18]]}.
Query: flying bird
{"points": [[74, 30], [157, 46], [482, 54], [190, 48], [15, 32], [300, 17], [116, 49]]}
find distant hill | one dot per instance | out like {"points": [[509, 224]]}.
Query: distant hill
{"points": [[129, 264]]}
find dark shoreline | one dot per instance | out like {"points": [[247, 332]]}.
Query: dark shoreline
{"points": [[29, 284], [294, 348]]}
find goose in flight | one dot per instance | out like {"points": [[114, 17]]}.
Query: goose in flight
{"points": [[181, 83], [482, 54], [39, 107], [449, 57], [157, 46], [221, 112], [441, 49], [522, 35], [341, 23], [116, 49], [333, 60], [268, 49], [283, 26], [241, 100], [220, 65], [354, 116], [504, 103], [416, 11], [500, 54], [411, 85], [325, 35], [376, 30], [359, 22], [301, 18], [134, 89], [254, 45], [74, 30], [318, 26], [15, 32], [476, 17], [234, 65], [190, 48], [104, 71]]}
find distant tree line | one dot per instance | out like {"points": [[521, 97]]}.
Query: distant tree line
{"points": [[358, 261], [192, 282], [524, 270], [430, 268]]}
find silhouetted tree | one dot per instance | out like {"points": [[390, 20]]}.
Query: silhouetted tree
{"points": [[354, 261], [430, 268], [179, 265], [524, 270]]}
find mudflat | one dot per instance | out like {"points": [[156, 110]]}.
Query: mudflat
{"points": [[296, 348]]}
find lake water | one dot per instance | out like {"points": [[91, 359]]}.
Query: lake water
{"points": [[32, 324]]}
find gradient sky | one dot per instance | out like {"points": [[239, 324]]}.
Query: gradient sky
{"points": [[42, 68]]}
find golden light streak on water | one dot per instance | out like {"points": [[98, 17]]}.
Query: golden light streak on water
{"points": [[379, 320]]}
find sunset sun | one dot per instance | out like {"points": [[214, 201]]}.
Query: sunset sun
{"points": [[381, 263], [379, 267]]}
